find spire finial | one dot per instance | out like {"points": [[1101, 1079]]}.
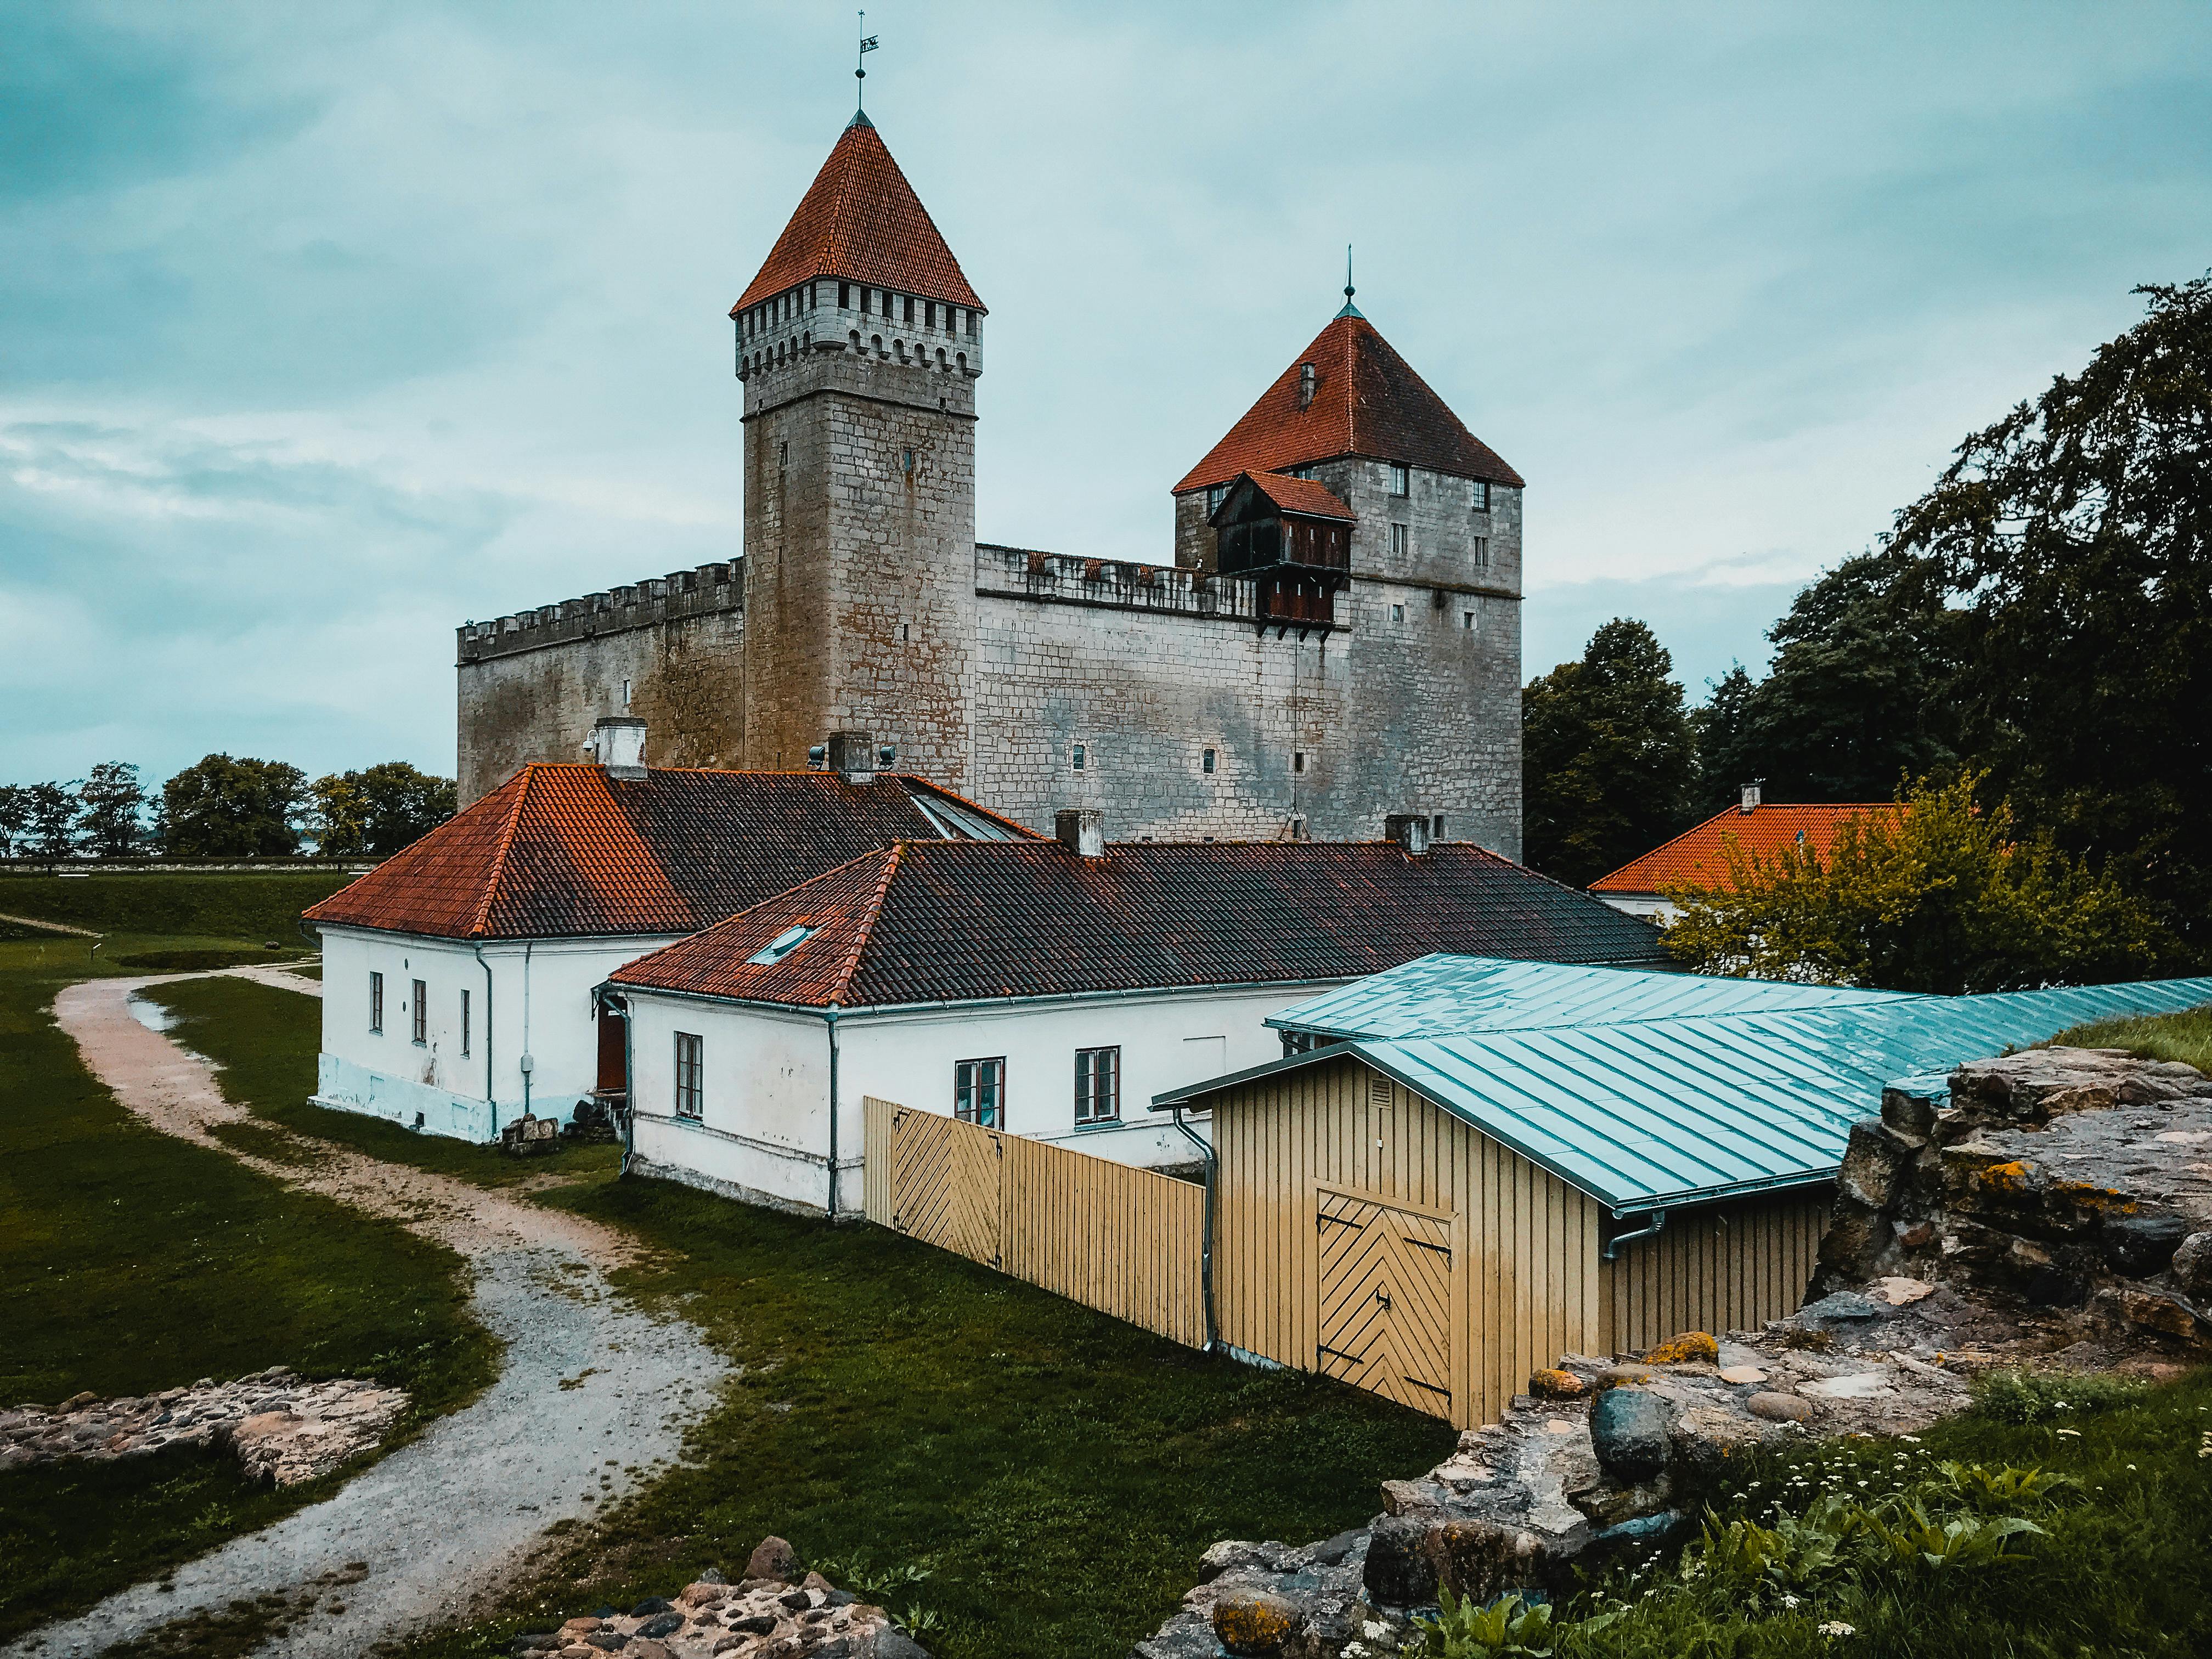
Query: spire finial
{"points": [[860, 74], [1350, 309]]}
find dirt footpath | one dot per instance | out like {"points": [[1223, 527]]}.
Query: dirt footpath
{"points": [[589, 1385]]}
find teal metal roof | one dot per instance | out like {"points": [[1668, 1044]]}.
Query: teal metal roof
{"points": [[1642, 1114], [1433, 994]]}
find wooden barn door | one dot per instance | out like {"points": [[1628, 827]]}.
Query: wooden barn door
{"points": [[947, 1176], [1385, 1281]]}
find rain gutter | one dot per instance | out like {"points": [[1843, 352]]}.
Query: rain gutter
{"points": [[1206, 1238]]}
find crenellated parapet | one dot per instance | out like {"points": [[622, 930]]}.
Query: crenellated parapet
{"points": [[704, 591]]}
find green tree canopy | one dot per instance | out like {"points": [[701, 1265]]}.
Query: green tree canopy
{"points": [[14, 820], [1936, 897], [227, 808], [112, 807], [2078, 532], [1607, 754], [374, 813], [50, 820]]}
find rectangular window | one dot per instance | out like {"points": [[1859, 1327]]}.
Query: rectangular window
{"points": [[844, 296], [929, 313], [1479, 490], [421, 1014], [1481, 550], [1206, 761], [1298, 761], [1397, 613], [1079, 757], [866, 293], [1436, 827], [1398, 539], [908, 314], [625, 694], [971, 325], [1214, 495], [1401, 480], [465, 1023], [690, 1087], [376, 1002], [1097, 1085], [979, 1091], [1466, 621]]}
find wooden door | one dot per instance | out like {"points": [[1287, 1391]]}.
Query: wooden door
{"points": [[946, 1185], [1386, 1301]]}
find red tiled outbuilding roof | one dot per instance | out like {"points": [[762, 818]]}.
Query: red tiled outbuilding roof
{"points": [[861, 220], [1366, 401], [1299, 496], [562, 851], [1699, 855], [942, 921]]}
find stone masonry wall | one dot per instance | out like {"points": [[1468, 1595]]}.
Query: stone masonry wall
{"points": [[532, 684]]}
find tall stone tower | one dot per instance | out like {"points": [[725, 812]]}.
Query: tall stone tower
{"points": [[860, 344]]}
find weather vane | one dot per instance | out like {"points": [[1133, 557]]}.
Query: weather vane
{"points": [[861, 70], [1350, 309]]}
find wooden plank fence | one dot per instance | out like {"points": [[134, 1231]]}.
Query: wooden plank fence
{"points": [[1114, 1237]]}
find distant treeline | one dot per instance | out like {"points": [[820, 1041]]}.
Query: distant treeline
{"points": [[224, 807]]}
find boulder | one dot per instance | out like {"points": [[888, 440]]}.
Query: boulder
{"points": [[775, 1559], [1477, 1558], [1631, 1428], [2140, 1244], [645, 1647], [1556, 1385], [1620, 1377], [1874, 1156], [660, 1624], [1399, 1573], [1254, 1624], [1779, 1407], [1844, 1306], [888, 1642], [1610, 1502], [1691, 1347], [2192, 1265], [651, 1605]]}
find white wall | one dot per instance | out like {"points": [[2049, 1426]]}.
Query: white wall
{"points": [[538, 1002], [763, 1130]]}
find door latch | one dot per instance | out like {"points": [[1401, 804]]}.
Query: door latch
{"points": [[1384, 1296]]}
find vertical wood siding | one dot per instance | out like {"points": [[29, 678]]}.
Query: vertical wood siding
{"points": [[1524, 1286], [1717, 1267], [1123, 1240]]}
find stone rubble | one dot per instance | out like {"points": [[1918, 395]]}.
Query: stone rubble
{"points": [[283, 1429], [777, 1610], [2049, 1208]]}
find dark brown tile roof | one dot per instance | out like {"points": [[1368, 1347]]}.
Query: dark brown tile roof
{"points": [[1699, 855], [958, 922], [568, 852], [1300, 496], [1367, 401], [861, 220]]}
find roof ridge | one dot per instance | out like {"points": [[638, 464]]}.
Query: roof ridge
{"points": [[482, 920], [874, 908]]}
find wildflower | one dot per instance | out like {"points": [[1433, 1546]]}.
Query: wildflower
{"points": [[1788, 1601], [2074, 1434], [1835, 1627], [2132, 1466]]}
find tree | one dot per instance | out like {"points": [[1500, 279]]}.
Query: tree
{"points": [[1607, 756], [14, 819], [2078, 532], [1939, 897], [111, 804], [1857, 698], [227, 808], [51, 826], [374, 813]]}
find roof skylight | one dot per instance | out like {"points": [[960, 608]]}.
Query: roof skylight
{"points": [[780, 946]]}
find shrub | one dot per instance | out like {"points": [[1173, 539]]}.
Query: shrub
{"points": [[2023, 1396]]}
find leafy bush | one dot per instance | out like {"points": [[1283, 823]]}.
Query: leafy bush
{"points": [[1467, 1630], [2022, 1396]]}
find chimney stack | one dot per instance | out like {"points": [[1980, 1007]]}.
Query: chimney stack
{"points": [[853, 755], [619, 744], [1750, 798], [1409, 830], [1081, 829]]}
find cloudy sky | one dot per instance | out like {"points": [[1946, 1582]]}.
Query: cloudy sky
{"points": [[324, 328]]}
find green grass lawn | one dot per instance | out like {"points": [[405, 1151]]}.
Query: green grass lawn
{"points": [[132, 1261], [239, 910], [2186, 1036]]}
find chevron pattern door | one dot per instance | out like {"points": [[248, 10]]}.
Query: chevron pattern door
{"points": [[1386, 1282], [947, 1176]]}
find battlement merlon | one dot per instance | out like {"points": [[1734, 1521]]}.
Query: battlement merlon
{"points": [[703, 590]]}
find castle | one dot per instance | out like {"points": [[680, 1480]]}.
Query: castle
{"points": [[1335, 638]]}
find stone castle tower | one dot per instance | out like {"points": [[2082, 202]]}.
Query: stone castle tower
{"points": [[1333, 638]]}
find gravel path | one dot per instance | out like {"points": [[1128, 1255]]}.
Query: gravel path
{"points": [[589, 1385]]}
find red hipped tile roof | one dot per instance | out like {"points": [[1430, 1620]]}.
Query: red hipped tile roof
{"points": [[945, 922], [568, 852], [1367, 401], [861, 220], [1699, 855], [1299, 496]]}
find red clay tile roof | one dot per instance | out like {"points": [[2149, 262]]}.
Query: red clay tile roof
{"points": [[1300, 496], [1697, 856], [567, 852], [946, 921], [1367, 401], [861, 220]]}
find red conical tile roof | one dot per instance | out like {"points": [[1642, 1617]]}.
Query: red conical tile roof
{"points": [[861, 220], [1367, 401]]}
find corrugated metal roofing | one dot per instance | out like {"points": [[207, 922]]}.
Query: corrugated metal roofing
{"points": [[1434, 994], [1645, 1114]]}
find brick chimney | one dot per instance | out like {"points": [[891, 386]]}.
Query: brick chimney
{"points": [[1750, 798], [1081, 829], [853, 756], [1409, 830], [619, 744]]}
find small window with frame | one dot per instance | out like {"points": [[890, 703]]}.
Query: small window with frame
{"points": [[979, 1091], [419, 1014], [690, 1078], [1206, 760], [1078, 757], [376, 1004], [1479, 494], [1402, 479], [1097, 1085], [1400, 537]]}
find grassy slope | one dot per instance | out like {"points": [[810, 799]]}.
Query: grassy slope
{"points": [[2186, 1036], [266, 1040], [238, 910], [132, 1262]]}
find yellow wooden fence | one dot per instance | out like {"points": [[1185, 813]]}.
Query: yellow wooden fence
{"points": [[1114, 1237]]}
